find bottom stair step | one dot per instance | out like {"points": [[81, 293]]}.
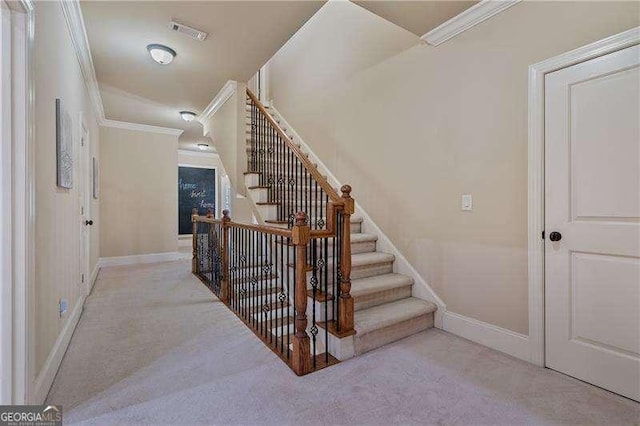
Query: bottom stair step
{"points": [[393, 321]]}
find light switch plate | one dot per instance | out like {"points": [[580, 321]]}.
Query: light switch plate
{"points": [[63, 305], [467, 203]]}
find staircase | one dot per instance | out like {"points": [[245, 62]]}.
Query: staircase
{"points": [[307, 280], [385, 311]]}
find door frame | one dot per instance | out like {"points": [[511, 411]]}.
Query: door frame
{"points": [[17, 355], [87, 192], [536, 193]]}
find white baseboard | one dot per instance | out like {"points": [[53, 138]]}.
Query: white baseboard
{"points": [[421, 289], [140, 259], [94, 276], [48, 373], [492, 336]]}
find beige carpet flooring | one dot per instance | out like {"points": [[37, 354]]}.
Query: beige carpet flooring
{"points": [[153, 346]]}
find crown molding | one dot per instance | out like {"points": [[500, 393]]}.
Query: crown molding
{"points": [[78, 33], [223, 96], [140, 127], [471, 17], [201, 154]]}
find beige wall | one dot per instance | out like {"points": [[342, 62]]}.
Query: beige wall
{"points": [[57, 218], [429, 124], [227, 130], [139, 197]]}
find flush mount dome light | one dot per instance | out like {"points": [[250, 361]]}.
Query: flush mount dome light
{"points": [[203, 146], [187, 115], [161, 54]]}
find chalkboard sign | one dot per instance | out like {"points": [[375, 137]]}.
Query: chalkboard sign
{"points": [[196, 188]]}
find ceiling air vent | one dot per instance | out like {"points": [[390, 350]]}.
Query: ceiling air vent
{"points": [[191, 32]]}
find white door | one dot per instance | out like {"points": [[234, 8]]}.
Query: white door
{"points": [[592, 203]]}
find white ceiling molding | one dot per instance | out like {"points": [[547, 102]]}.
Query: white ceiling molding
{"points": [[78, 33], [201, 154], [466, 20], [140, 127], [223, 96]]}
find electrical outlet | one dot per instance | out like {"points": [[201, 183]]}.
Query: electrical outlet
{"points": [[63, 305]]}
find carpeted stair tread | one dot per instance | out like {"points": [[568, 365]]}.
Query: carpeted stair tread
{"points": [[361, 259], [365, 286], [381, 316]]}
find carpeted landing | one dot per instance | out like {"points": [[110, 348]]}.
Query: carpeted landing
{"points": [[154, 346]]}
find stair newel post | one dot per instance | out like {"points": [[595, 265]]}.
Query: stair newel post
{"points": [[224, 287], [345, 323], [194, 260], [301, 235]]}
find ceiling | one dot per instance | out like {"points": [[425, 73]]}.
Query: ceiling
{"points": [[243, 35], [418, 17]]}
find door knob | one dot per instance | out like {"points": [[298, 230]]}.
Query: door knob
{"points": [[555, 236], [88, 222]]}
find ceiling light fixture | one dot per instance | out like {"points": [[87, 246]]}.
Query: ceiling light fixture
{"points": [[187, 115], [203, 146], [161, 54]]}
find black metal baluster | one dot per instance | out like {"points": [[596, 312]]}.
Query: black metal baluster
{"points": [[245, 271], [254, 282], [295, 263], [325, 280], [273, 257], [281, 292], [314, 292]]}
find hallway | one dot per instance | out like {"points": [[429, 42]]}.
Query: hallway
{"points": [[154, 346]]}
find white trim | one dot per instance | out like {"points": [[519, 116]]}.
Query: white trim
{"points": [[48, 373], [78, 33], [6, 210], [223, 96], [471, 17], [139, 259], [536, 172], [201, 154], [264, 83], [501, 339], [421, 289], [198, 166], [140, 127], [17, 385], [93, 277]]}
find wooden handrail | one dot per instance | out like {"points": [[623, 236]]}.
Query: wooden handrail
{"points": [[260, 228], [308, 165]]}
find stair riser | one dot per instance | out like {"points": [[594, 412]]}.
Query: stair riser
{"points": [[380, 297], [259, 195], [356, 227], [268, 212], [356, 247], [276, 313], [357, 272], [260, 132], [253, 179], [260, 285], [278, 166], [383, 336]]}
